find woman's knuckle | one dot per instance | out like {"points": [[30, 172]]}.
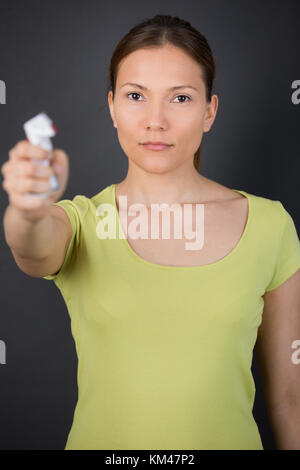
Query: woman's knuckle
{"points": [[7, 185], [22, 148], [17, 169], [19, 147], [4, 184], [32, 185], [4, 168], [31, 168], [23, 168], [25, 184]]}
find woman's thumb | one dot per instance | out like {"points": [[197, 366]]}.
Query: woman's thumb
{"points": [[57, 168], [59, 160]]}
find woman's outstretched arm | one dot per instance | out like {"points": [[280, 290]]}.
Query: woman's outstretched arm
{"points": [[36, 230], [41, 246]]}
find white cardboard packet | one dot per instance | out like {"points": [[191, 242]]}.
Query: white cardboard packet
{"points": [[38, 131]]}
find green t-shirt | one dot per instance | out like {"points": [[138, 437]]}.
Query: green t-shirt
{"points": [[165, 352]]}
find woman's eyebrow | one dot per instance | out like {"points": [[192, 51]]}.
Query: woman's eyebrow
{"points": [[170, 89]]}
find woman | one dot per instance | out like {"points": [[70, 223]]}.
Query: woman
{"points": [[165, 334]]}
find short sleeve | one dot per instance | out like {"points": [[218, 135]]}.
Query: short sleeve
{"points": [[71, 209], [288, 253]]}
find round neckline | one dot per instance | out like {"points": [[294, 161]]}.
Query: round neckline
{"points": [[221, 261]]}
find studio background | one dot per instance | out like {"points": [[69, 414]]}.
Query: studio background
{"points": [[54, 57]]}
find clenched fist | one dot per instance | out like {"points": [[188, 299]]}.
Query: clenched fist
{"points": [[22, 175]]}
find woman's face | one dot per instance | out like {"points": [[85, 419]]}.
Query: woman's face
{"points": [[178, 117]]}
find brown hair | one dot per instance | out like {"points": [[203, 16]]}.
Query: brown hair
{"points": [[161, 30]]}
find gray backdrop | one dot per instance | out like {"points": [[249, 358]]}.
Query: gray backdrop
{"points": [[54, 57]]}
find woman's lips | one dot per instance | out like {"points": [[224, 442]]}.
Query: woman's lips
{"points": [[156, 147]]}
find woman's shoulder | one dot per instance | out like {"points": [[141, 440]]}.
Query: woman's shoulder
{"points": [[224, 193], [266, 211], [216, 192]]}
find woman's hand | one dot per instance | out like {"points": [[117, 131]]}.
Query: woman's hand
{"points": [[21, 175]]}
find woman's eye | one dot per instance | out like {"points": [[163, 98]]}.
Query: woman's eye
{"points": [[179, 96], [185, 96], [133, 94]]}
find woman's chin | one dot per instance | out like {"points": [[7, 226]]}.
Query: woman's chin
{"points": [[156, 165]]}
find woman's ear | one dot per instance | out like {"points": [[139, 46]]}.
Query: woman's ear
{"points": [[111, 107], [211, 112]]}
